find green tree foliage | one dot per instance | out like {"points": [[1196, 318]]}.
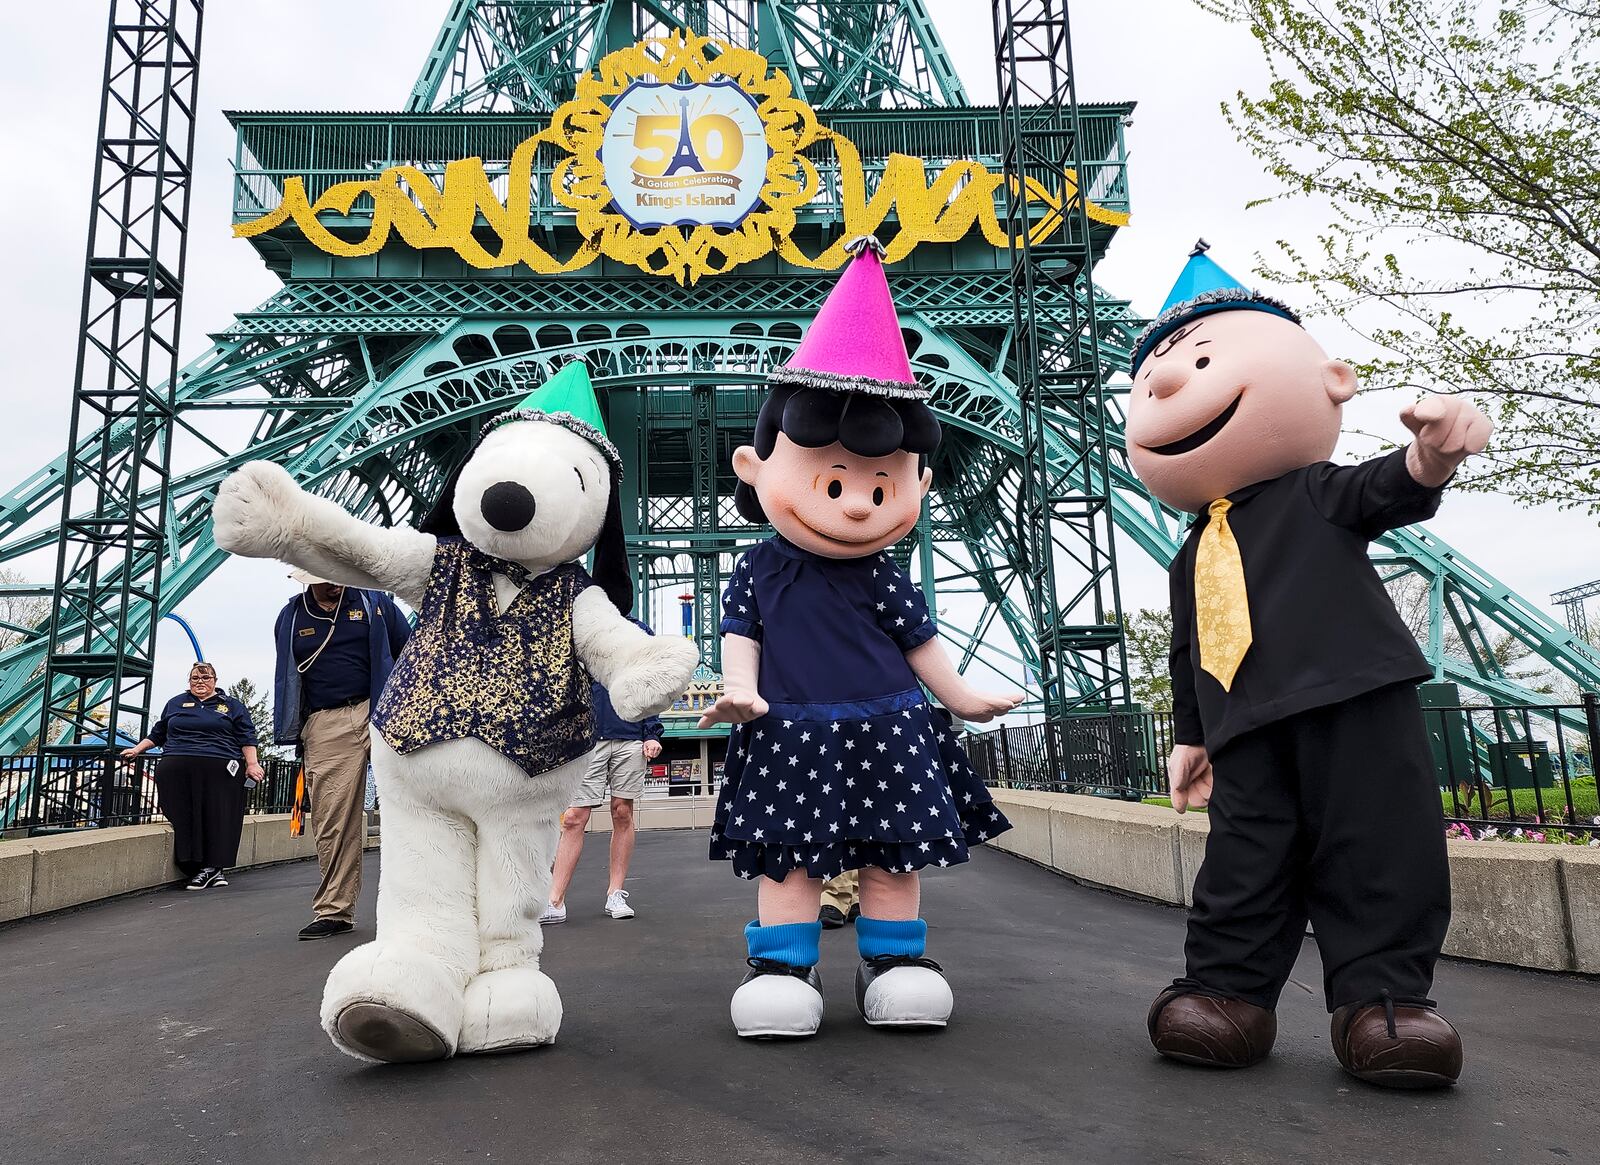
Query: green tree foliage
{"points": [[258, 704], [1147, 639], [1455, 142]]}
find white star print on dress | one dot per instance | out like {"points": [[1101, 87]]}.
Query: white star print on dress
{"points": [[892, 797]]}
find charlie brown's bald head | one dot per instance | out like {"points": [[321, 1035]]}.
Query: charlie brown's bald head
{"points": [[1228, 400]]}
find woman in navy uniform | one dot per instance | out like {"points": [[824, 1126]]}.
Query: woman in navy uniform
{"points": [[208, 744]]}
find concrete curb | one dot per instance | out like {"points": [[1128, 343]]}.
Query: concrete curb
{"points": [[1523, 905], [40, 875]]}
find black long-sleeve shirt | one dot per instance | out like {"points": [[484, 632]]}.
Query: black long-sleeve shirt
{"points": [[1323, 629]]}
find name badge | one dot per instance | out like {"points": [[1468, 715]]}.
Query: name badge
{"points": [[189, 704], [305, 632]]}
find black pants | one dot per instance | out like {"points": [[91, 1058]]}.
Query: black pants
{"points": [[205, 804], [1332, 815]]}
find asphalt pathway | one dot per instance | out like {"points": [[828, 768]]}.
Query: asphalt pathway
{"points": [[177, 1027]]}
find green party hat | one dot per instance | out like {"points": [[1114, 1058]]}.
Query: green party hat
{"points": [[566, 399]]}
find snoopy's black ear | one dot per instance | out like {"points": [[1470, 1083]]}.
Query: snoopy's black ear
{"points": [[611, 556], [441, 520]]}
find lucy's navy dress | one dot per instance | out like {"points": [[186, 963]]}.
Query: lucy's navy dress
{"points": [[850, 767]]}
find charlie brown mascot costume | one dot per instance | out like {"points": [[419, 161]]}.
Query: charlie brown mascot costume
{"points": [[1295, 687]]}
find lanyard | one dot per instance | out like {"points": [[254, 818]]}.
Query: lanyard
{"points": [[333, 625]]}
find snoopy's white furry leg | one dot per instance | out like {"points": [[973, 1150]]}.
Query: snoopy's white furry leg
{"points": [[512, 1004], [400, 997]]}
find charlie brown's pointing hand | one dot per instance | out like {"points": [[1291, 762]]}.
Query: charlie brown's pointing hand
{"points": [[1448, 430]]}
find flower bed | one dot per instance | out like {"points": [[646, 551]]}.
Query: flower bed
{"points": [[1536, 834]]}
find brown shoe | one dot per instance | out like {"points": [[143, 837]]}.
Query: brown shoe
{"points": [[1210, 1030], [1397, 1045]]}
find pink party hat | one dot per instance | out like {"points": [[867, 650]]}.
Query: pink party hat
{"points": [[854, 344]]}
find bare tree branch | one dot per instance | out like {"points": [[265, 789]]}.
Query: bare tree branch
{"points": [[1451, 142]]}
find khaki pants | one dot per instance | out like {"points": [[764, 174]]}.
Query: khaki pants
{"points": [[842, 892], [335, 744]]}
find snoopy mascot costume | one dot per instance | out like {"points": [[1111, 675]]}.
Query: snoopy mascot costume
{"points": [[479, 740]]}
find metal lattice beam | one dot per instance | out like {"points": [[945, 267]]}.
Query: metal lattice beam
{"points": [[112, 539], [1573, 602], [519, 55], [1054, 360], [368, 388]]}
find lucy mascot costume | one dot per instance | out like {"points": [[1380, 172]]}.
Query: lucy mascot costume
{"points": [[836, 760], [1295, 687], [479, 740]]}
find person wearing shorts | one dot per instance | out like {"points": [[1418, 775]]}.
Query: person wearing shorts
{"points": [[621, 755]]}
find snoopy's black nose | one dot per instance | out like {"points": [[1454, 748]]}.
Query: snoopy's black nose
{"points": [[508, 506]]}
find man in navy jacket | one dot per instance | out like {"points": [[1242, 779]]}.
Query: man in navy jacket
{"points": [[622, 752], [335, 649]]}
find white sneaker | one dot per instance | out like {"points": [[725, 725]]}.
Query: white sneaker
{"points": [[616, 905], [553, 913]]}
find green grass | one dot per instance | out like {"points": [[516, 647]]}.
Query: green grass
{"points": [[1166, 802], [1522, 805]]}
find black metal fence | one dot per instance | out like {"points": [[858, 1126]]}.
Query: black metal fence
{"points": [[1120, 754], [1522, 766], [1528, 767], [101, 789]]}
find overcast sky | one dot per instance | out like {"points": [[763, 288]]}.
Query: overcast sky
{"points": [[1188, 178]]}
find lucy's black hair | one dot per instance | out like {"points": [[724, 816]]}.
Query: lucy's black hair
{"points": [[868, 426]]}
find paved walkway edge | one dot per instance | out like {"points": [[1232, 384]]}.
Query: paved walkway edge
{"points": [[1519, 904], [1525, 905]]}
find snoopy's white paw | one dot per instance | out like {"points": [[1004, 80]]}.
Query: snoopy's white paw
{"points": [[255, 507], [655, 675]]}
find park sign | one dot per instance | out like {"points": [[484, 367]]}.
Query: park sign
{"points": [[682, 156], [685, 155]]}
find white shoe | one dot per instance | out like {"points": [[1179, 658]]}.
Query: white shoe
{"points": [[553, 914], [901, 991], [777, 1001], [616, 905]]}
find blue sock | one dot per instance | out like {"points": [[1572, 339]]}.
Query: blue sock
{"points": [[882, 936], [795, 943]]}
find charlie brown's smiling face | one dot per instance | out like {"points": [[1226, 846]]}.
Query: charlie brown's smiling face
{"points": [[831, 501], [1231, 399]]}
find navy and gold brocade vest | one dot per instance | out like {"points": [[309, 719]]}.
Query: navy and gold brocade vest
{"points": [[511, 680]]}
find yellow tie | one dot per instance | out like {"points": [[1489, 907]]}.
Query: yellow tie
{"points": [[1221, 607]]}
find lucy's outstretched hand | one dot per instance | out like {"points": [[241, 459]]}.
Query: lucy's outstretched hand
{"points": [[735, 707], [981, 707], [1189, 777]]}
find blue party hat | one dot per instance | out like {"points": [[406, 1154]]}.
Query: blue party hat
{"points": [[1203, 287]]}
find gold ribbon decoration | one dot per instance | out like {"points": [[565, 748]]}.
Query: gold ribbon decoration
{"points": [[425, 215], [1221, 605]]}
